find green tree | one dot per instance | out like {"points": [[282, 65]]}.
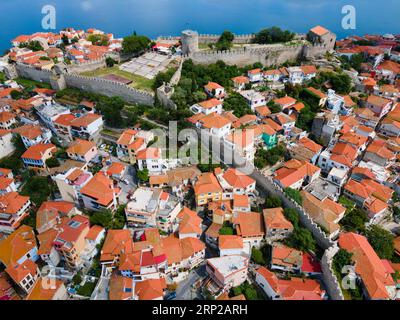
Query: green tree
{"points": [[273, 202], [16, 95], [163, 77], [98, 39], [119, 219], [38, 189], [225, 41], [238, 104], [292, 215], [143, 175], [301, 239], [226, 231], [102, 218], [294, 194], [135, 44], [32, 45], [382, 241], [273, 35], [257, 256], [52, 162], [341, 259], [110, 62], [354, 221]]}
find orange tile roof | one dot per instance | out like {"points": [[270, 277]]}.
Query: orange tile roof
{"points": [[12, 202], [65, 120], [81, 147], [18, 272], [149, 153], [127, 137], [308, 69], [94, 232], [263, 111], [85, 120], [16, 245], [121, 288], [7, 92], [206, 183], [285, 256], [241, 201], [294, 171], [36, 152], [254, 71], [310, 145], [317, 92], [249, 224], [5, 182], [46, 240], [379, 148], [230, 242], [237, 179], [272, 72], [208, 104], [5, 171], [274, 125], [49, 210], [357, 189], [6, 116], [320, 31], [353, 139], [116, 243], [285, 101], [390, 65], [324, 213], [241, 138], [378, 101], [275, 219], [214, 120], [177, 249], [213, 85], [293, 289], [137, 144], [39, 292], [29, 131], [241, 80], [150, 289], [190, 222], [100, 188], [368, 265], [116, 168]]}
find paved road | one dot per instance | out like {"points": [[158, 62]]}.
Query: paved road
{"points": [[184, 290]]}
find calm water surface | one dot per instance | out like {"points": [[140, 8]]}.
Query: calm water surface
{"points": [[164, 17]]}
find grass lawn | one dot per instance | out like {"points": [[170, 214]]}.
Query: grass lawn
{"points": [[139, 82], [27, 83]]}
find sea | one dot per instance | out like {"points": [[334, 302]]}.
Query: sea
{"points": [[169, 17]]}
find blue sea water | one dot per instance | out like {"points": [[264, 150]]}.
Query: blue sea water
{"points": [[165, 17]]}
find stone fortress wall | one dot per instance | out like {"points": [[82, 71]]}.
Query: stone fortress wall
{"points": [[268, 55], [61, 78], [268, 185], [213, 38]]}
